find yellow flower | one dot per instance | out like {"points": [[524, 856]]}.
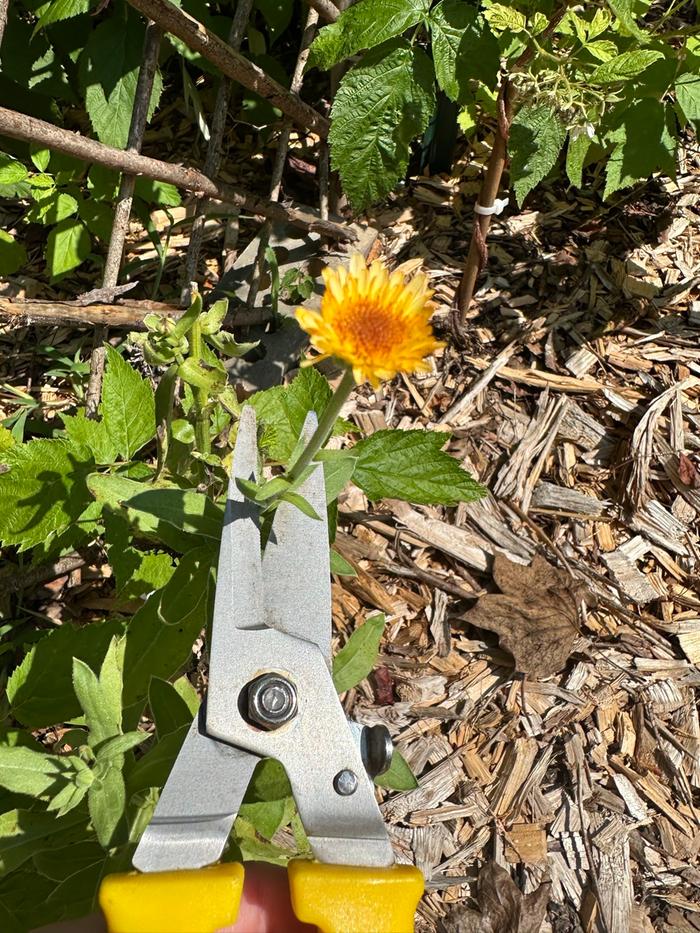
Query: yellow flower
{"points": [[373, 320]]}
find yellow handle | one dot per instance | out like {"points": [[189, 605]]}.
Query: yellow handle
{"points": [[198, 901], [350, 899]]}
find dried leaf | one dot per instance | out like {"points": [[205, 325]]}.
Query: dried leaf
{"points": [[534, 616], [383, 687], [687, 472], [503, 908]]}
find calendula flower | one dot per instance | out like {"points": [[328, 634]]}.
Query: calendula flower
{"points": [[373, 320]]}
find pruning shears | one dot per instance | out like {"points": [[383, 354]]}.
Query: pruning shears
{"points": [[270, 695]]}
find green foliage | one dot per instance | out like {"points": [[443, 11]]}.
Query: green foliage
{"points": [[128, 406], [411, 465], [591, 73], [380, 106], [356, 659]]}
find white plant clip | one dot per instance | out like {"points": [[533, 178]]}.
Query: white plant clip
{"points": [[497, 207]]}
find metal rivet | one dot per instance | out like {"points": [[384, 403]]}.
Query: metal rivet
{"points": [[272, 701], [345, 782]]}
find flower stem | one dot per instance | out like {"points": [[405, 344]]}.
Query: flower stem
{"points": [[325, 425], [199, 395]]}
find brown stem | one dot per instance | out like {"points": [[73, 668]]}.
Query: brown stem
{"points": [[231, 63], [29, 129], [4, 7], [327, 10], [478, 254], [213, 159], [125, 314], [122, 212]]}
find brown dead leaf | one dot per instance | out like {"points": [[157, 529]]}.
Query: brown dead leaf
{"points": [[503, 908], [687, 472], [535, 615]]}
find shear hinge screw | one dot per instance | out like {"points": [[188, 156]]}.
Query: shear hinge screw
{"points": [[345, 782], [272, 701]]}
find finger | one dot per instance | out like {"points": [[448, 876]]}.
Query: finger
{"points": [[265, 905]]}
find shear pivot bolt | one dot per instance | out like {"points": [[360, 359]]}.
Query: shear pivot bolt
{"points": [[345, 782], [272, 701]]}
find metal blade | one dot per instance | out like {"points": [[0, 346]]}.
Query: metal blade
{"points": [[296, 571], [239, 593], [198, 805]]}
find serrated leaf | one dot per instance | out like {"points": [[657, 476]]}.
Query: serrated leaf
{"points": [[110, 68], [13, 255], [600, 22], [380, 106], [11, 171], [625, 13], [501, 17], [364, 25], [67, 245], [399, 776], [128, 405], [282, 410], [168, 709], [536, 139], [358, 656], [688, 96], [40, 690], [43, 491], [625, 66], [51, 206], [410, 465], [576, 152], [643, 144], [85, 432], [464, 49], [602, 49], [58, 10]]}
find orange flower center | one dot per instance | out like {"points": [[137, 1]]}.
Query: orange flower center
{"points": [[370, 328]]}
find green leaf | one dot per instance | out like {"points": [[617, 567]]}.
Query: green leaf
{"points": [[688, 97], [110, 67], [100, 697], [160, 193], [128, 405], [62, 862], [603, 49], [11, 171], [364, 25], [380, 106], [161, 634], [200, 376], [188, 694], [625, 13], [340, 566], [169, 710], [13, 255], [26, 834], [282, 411], [642, 144], [51, 206], [501, 18], [84, 432], [153, 768], [58, 10], [536, 139], [227, 344], [399, 776], [43, 491], [338, 469], [190, 511], [464, 49], [268, 816], [40, 690], [113, 491], [119, 745], [24, 771], [68, 245], [98, 218], [358, 656], [576, 152], [625, 66], [410, 465], [107, 802]]}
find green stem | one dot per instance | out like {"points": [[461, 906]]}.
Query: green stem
{"points": [[199, 395], [325, 425]]}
